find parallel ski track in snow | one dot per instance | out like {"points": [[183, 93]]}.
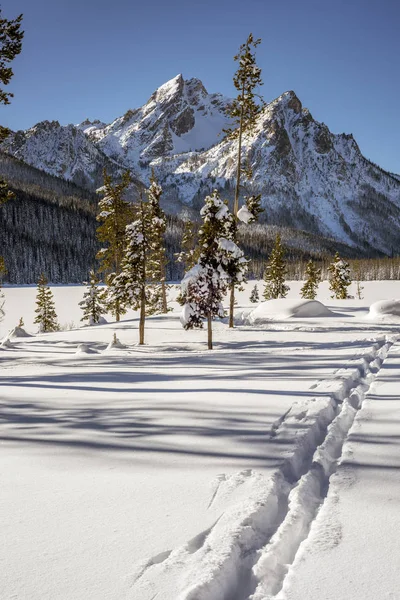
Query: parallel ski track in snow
{"points": [[248, 552]]}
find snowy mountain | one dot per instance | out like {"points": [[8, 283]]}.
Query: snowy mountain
{"points": [[309, 178], [63, 151]]}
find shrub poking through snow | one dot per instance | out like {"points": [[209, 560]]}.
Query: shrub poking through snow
{"points": [[46, 316], [275, 273], [93, 303], [115, 213], [313, 279], [21, 322], [220, 262], [339, 278], [254, 296]]}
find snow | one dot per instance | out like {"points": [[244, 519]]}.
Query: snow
{"points": [[267, 467], [284, 308], [385, 308], [245, 215]]}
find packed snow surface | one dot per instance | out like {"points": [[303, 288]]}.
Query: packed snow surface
{"points": [[284, 308], [266, 468]]}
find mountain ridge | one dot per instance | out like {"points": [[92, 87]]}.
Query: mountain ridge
{"points": [[309, 178]]}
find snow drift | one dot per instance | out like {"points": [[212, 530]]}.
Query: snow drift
{"points": [[283, 308], [384, 308]]}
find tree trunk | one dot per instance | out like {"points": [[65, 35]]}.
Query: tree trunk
{"points": [[142, 316], [117, 312], [209, 331], [164, 297], [236, 203]]}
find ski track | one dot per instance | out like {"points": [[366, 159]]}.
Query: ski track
{"points": [[248, 552]]}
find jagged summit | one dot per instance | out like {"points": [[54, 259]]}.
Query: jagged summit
{"points": [[308, 177]]}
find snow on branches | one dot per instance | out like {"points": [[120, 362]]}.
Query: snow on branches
{"points": [[220, 262]]}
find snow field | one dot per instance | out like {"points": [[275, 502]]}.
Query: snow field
{"points": [[352, 549], [168, 471]]}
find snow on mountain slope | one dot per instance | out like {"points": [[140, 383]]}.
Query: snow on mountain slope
{"points": [[63, 151], [309, 178], [179, 117]]}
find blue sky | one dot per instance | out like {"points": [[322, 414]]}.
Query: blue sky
{"points": [[97, 58]]}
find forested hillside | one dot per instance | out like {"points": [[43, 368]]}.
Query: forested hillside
{"points": [[50, 227]]}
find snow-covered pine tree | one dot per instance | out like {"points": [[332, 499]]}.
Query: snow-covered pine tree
{"points": [[339, 278], [157, 263], [134, 286], [244, 110], [115, 214], [46, 316], [93, 303], [219, 262], [313, 279], [275, 273], [254, 296]]}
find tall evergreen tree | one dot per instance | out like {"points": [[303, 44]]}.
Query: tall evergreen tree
{"points": [[275, 273], [115, 213], [313, 279], [46, 316], [135, 285], [244, 111], [219, 262], [93, 303], [339, 278], [157, 264]]}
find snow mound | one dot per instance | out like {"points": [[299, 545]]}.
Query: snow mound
{"points": [[384, 308], [283, 308], [6, 343], [18, 332], [85, 349], [115, 344], [102, 321]]}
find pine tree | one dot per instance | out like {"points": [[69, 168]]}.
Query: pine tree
{"points": [[219, 262], [135, 285], [357, 276], [313, 279], [339, 278], [115, 213], [187, 255], [10, 46], [157, 263], [275, 273], [244, 111], [46, 315], [93, 303], [254, 296]]}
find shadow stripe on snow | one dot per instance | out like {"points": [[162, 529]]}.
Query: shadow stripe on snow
{"points": [[247, 553]]}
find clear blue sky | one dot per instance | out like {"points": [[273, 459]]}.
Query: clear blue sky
{"points": [[97, 58]]}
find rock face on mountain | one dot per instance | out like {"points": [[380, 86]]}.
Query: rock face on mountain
{"points": [[308, 177]]}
